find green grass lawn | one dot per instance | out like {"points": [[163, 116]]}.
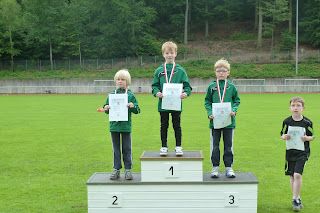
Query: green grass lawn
{"points": [[50, 145]]}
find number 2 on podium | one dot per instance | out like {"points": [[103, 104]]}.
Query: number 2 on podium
{"points": [[115, 200]]}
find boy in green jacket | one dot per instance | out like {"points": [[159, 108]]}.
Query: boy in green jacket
{"points": [[219, 91], [170, 72], [122, 79]]}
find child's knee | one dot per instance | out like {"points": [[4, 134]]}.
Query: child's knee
{"points": [[297, 176]]}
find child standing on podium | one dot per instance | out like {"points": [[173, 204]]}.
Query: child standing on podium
{"points": [[122, 129], [170, 72], [219, 91]]}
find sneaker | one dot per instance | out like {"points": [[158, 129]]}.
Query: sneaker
{"points": [[164, 151], [300, 203], [115, 174], [295, 205], [127, 174], [179, 151], [230, 172], [215, 172]]}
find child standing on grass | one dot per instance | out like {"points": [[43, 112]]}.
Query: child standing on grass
{"points": [[219, 91], [170, 72], [296, 156], [122, 79]]}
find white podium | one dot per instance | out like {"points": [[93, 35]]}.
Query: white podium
{"points": [[172, 184], [171, 168]]}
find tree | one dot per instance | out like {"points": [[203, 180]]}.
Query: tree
{"points": [[310, 22], [204, 12], [10, 13], [276, 11], [44, 21], [119, 28], [169, 24], [290, 16], [256, 14], [77, 15], [185, 41], [260, 12]]}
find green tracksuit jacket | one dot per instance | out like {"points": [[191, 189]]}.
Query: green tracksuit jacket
{"points": [[231, 95], [179, 76], [124, 126]]}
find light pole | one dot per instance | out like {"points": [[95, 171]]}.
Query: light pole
{"points": [[297, 38]]}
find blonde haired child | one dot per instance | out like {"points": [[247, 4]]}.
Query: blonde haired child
{"points": [[219, 91], [170, 72], [122, 80]]}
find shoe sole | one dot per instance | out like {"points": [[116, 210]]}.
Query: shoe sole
{"points": [[214, 176], [163, 154], [179, 154], [114, 178], [230, 176]]}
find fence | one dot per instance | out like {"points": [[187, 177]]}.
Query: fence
{"points": [[144, 61], [90, 86]]}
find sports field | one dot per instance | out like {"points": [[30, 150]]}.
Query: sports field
{"points": [[50, 145]]}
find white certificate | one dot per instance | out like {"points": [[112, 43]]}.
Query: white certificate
{"points": [[118, 107], [221, 113], [295, 141], [171, 96]]}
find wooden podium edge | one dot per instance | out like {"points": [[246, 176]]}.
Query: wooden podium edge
{"points": [[171, 158]]}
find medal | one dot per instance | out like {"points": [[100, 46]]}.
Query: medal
{"points": [[125, 92], [224, 91], [165, 72]]}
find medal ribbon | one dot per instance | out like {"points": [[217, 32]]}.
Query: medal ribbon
{"points": [[224, 91], [165, 71], [125, 92]]}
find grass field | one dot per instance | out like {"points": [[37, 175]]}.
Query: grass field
{"points": [[50, 145]]}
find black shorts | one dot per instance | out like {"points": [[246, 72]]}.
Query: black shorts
{"points": [[294, 167]]}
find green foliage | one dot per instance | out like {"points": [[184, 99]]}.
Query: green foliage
{"points": [[243, 36], [170, 19], [11, 21], [148, 46], [276, 11], [122, 28], [310, 22], [288, 41], [199, 68], [183, 50]]}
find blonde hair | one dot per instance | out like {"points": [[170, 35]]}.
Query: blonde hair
{"points": [[297, 99], [222, 63], [169, 45], [123, 74]]}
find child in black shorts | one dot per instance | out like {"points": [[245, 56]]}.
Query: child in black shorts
{"points": [[297, 130]]}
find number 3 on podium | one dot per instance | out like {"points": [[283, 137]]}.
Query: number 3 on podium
{"points": [[231, 199]]}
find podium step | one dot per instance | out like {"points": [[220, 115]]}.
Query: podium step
{"points": [[208, 195], [171, 168]]}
